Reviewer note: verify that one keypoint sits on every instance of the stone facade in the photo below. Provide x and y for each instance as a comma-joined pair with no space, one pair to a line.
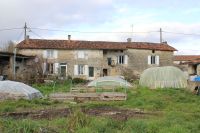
94,63
138,59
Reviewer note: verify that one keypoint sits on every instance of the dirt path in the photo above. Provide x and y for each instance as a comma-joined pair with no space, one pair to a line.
115,113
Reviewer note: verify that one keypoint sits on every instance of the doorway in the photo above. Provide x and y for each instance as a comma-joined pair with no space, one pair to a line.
63,69
91,71
105,72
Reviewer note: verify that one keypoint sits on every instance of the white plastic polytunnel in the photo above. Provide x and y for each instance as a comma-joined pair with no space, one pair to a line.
163,77
110,81
17,90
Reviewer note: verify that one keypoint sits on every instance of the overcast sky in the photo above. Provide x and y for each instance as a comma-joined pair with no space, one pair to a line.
179,16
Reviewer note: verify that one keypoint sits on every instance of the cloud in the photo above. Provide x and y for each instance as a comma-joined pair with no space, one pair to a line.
104,15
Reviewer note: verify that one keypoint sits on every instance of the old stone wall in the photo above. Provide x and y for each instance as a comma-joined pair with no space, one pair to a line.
138,59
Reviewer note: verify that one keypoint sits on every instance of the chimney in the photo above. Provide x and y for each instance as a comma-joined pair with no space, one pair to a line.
27,39
165,42
129,40
69,38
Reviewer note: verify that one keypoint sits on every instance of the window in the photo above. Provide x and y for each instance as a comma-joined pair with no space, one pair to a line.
63,69
153,59
81,54
49,68
121,59
109,61
104,51
80,69
50,53
91,71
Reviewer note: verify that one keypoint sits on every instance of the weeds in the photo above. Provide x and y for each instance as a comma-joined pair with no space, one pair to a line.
180,113
77,119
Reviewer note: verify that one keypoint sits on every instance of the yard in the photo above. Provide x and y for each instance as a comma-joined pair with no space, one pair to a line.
145,111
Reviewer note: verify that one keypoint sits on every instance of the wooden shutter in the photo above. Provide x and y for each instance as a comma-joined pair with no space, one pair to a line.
44,53
126,59
75,69
56,68
157,60
86,70
149,60
55,54
117,59
44,67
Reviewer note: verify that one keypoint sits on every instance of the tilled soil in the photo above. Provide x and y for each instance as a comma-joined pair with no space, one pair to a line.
112,112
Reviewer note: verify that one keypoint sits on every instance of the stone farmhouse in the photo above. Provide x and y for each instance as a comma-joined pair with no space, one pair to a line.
92,59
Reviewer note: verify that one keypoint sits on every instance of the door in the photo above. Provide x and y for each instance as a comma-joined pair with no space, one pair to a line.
105,72
91,71
63,69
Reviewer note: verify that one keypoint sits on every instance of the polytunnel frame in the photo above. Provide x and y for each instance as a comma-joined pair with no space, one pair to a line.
120,83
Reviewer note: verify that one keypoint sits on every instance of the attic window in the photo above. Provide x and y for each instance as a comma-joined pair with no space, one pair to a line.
153,51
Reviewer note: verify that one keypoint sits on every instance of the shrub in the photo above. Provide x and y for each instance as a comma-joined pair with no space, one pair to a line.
130,75
78,81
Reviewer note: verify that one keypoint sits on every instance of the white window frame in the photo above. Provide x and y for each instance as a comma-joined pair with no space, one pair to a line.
50,68
121,59
81,54
50,53
80,69
153,60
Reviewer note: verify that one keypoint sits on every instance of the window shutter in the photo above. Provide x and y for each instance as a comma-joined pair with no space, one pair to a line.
86,70
44,53
86,55
149,60
126,59
81,54
117,59
55,52
44,67
56,67
157,60
75,69
75,54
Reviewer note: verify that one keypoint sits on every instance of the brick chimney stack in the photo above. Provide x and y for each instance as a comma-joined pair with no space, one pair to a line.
69,38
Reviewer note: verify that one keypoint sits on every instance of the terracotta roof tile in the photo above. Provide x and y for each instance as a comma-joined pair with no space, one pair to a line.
65,44
186,57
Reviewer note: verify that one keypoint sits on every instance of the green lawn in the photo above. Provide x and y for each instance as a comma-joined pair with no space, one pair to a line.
179,113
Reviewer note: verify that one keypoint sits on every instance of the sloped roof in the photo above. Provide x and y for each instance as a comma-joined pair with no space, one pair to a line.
186,57
75,44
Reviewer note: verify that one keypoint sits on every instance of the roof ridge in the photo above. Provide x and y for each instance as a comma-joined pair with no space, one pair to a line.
79,44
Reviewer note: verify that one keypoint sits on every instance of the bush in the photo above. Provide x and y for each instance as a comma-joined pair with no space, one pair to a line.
130,75
78,81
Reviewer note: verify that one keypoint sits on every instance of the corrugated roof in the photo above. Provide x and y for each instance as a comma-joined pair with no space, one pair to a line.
75,44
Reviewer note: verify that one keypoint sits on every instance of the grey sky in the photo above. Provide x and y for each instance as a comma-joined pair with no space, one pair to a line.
104,15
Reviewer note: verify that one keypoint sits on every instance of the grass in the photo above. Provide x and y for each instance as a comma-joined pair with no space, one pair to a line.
179,113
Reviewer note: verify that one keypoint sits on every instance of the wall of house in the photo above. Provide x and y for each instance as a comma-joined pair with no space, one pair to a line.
92,58
115,69
31,52
138,59
191,70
